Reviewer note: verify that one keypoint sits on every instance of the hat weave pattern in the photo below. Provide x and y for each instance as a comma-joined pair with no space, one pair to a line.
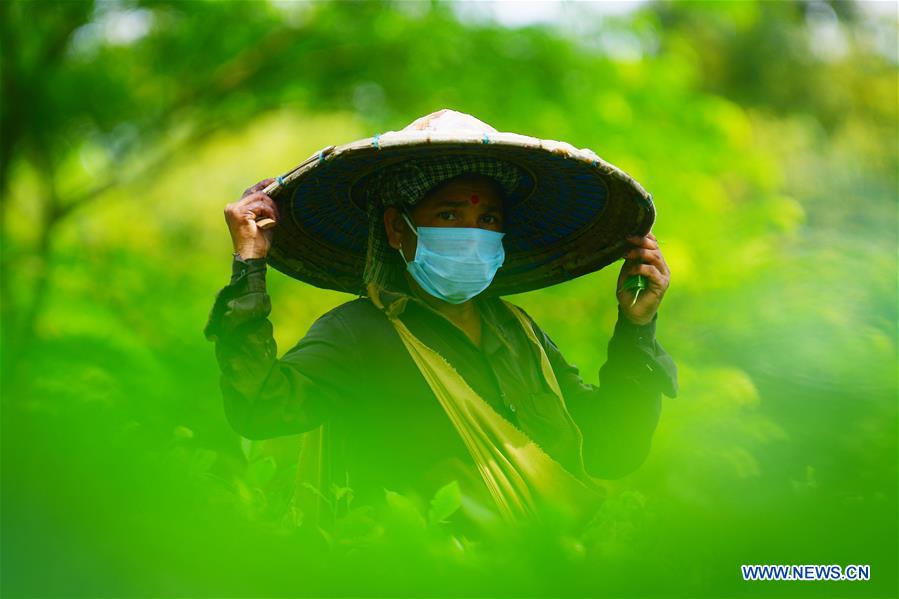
568,215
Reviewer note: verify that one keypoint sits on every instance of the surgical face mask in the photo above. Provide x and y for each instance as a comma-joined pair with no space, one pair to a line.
455,263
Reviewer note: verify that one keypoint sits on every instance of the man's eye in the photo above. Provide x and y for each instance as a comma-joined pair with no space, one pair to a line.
446,212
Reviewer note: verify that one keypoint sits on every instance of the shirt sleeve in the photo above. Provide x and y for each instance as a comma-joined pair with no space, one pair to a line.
619,416
264,396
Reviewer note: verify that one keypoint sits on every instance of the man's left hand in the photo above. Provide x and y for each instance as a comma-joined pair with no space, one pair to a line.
644,258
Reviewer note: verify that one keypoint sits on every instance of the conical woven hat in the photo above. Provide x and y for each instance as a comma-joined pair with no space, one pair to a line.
568,217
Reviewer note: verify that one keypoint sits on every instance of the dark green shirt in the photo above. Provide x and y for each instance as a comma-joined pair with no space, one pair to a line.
352,371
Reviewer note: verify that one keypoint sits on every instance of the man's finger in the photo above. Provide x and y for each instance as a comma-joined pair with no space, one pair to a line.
260,198
644,255
645,242
639,268
665,270
654,257
260,209
261,185
653,274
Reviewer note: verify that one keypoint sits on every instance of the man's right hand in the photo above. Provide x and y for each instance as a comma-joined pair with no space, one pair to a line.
249,240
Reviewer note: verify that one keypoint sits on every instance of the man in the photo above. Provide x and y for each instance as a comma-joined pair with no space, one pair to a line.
426,378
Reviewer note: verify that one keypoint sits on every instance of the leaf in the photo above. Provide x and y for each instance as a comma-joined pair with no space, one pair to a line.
635,282
340,492
261,471
203,459
183,432
404,509
251,449
317,492
447,500
246,446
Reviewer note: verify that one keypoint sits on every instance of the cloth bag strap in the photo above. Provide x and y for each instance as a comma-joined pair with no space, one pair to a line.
521,477
550,376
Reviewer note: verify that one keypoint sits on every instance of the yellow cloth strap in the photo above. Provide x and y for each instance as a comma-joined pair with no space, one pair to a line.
520,476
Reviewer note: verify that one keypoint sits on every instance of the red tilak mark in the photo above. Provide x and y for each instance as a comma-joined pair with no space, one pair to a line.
475,199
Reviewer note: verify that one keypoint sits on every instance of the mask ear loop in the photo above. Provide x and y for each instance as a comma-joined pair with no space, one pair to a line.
409,222
411,226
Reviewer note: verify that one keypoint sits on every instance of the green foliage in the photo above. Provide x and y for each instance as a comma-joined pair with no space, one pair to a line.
445,503
770,152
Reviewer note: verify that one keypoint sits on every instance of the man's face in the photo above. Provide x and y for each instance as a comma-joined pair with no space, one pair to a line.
462,202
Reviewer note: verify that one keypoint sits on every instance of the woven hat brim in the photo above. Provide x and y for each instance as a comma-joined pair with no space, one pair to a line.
569,217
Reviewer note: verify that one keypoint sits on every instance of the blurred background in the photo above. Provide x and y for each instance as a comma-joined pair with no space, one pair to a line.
766,132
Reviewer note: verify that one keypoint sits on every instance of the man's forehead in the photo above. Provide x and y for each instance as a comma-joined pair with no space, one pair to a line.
461,195
459,200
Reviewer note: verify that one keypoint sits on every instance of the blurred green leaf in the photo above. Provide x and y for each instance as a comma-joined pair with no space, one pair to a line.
403,510
446,501
260,472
